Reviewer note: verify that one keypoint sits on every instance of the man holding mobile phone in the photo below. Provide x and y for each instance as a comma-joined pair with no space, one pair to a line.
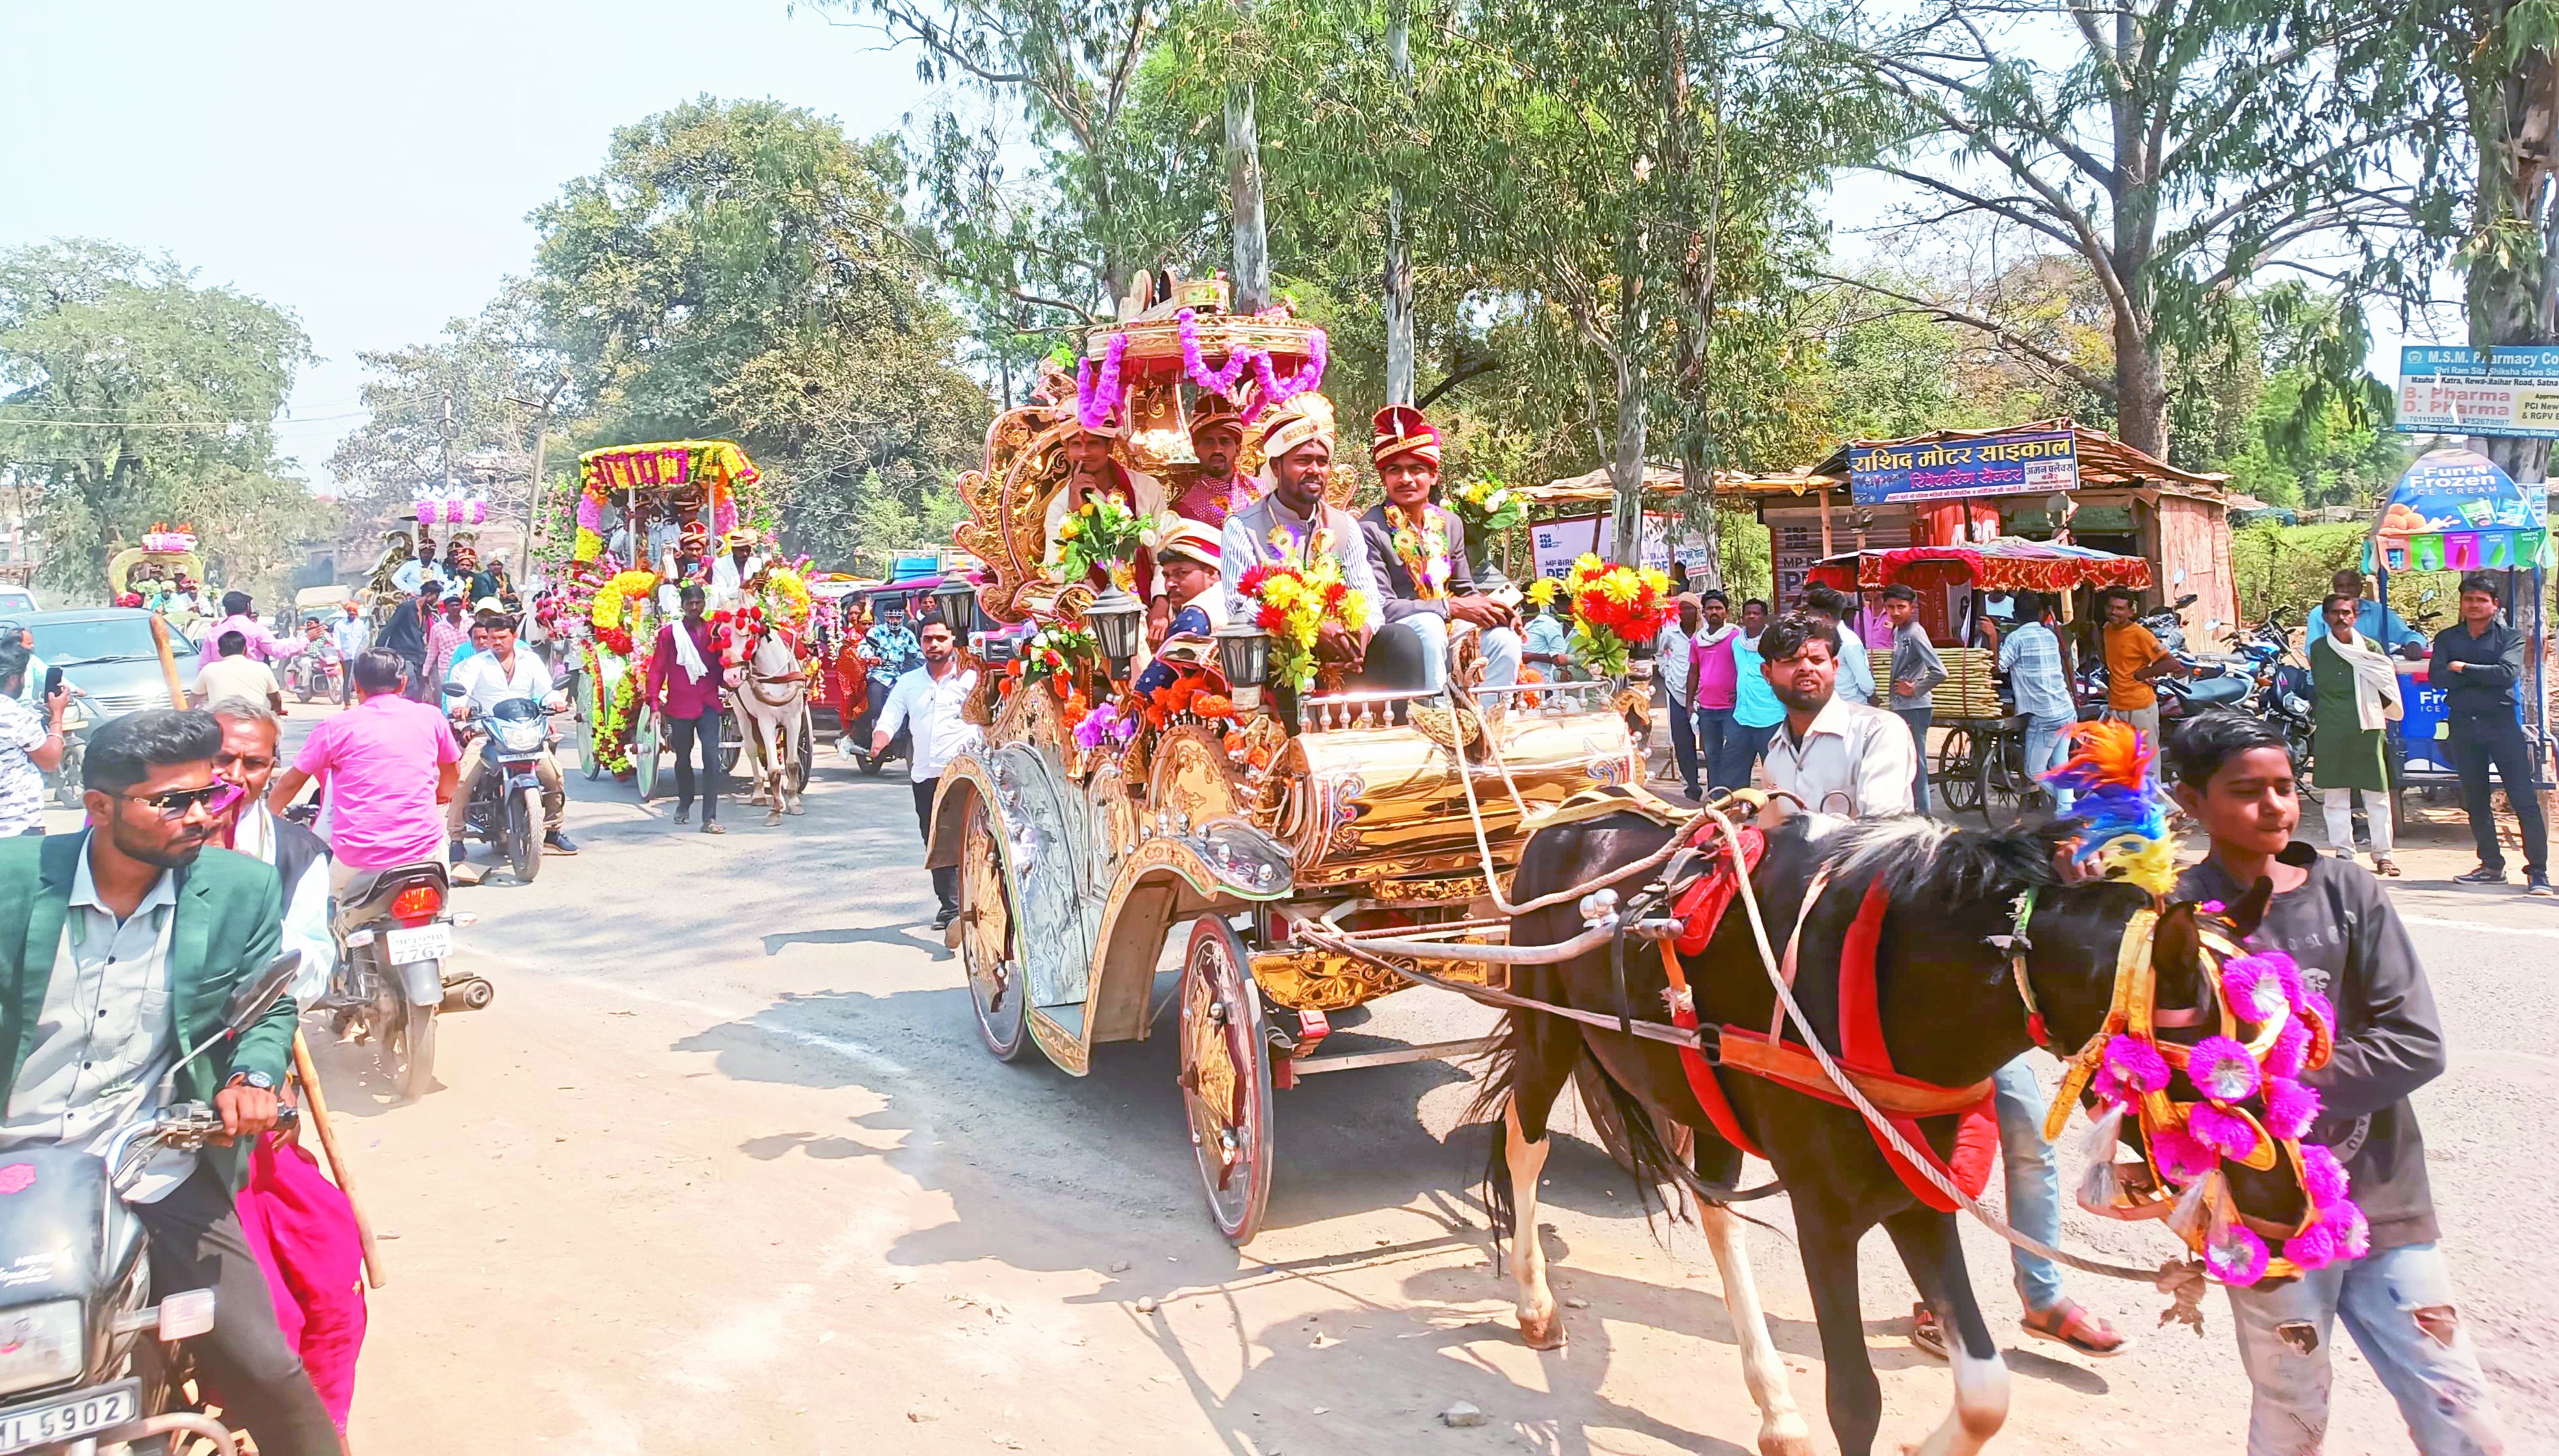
31,741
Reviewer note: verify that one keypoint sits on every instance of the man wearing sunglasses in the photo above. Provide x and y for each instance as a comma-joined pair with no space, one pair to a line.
118,946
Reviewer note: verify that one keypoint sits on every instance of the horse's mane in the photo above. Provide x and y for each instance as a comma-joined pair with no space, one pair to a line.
1925,861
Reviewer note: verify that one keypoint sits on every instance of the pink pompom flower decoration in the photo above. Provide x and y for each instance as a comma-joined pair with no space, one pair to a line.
2291,1107
2317,1006
2314,1249
2353,1232
2229,1133
2323,1176
2292,1048
2255,987
2179,1157
2235,1254
2109,1088
2221,1069
2137,1063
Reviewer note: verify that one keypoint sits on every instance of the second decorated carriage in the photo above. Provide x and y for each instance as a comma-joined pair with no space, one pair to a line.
1097,822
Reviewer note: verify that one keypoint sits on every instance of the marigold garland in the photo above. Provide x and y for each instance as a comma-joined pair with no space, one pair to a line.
792,610
620,602
1298,596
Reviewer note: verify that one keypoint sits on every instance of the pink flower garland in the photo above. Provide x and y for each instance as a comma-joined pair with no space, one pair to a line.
2221,1070
1096,400
1220,382
590,513
1277,390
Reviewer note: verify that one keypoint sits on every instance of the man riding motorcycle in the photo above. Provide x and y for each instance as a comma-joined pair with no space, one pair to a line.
488,678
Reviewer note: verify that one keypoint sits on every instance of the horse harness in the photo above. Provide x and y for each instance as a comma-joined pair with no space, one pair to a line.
1699,906
756,683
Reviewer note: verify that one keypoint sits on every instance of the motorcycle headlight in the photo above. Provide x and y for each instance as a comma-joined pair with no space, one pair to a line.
40,1345
520,737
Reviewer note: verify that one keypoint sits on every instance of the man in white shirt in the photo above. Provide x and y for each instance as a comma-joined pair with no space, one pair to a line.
486,680
248,759
1671,669
927,701
351,634
1294,521
1837,757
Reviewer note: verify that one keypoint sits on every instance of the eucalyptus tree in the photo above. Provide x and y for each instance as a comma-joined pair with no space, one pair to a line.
2178,147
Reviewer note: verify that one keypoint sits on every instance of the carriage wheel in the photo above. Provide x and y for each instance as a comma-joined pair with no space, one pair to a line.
1957,777
1226,1078
808,761
996,990
646,736
588,762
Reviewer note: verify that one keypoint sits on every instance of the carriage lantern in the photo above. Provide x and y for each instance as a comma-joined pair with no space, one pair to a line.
958,601
1244,653
1114,618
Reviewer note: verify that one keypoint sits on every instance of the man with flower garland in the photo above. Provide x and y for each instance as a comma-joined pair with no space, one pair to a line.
2235,776
1214,489
1294,521
1417,550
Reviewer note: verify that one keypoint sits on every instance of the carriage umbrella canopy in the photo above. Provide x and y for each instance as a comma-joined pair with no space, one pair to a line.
2007,564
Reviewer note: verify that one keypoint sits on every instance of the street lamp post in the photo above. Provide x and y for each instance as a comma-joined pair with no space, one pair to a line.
534,486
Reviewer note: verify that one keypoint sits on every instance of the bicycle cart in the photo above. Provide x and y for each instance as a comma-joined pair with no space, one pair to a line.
1096,827
1979,765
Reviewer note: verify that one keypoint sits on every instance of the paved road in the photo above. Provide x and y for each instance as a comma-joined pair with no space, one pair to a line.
724,1169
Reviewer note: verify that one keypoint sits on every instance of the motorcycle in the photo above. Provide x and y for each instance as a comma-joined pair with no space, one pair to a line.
394,934
310,677
87,1358
506,808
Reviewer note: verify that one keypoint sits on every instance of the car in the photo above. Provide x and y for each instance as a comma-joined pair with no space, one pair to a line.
109,658
16,601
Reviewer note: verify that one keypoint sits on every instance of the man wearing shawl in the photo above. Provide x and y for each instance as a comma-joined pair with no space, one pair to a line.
2356,695
1292,521
1417,550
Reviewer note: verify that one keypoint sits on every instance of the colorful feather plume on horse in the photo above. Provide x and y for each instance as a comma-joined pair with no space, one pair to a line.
2112,775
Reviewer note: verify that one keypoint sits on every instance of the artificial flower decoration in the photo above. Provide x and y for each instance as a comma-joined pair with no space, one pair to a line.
2291,1050
2180,1158
1423,546
2222,1070
2260,988
2235,1254
2112,775
1615,607
1489,507
1297,597
1102,534
2291,1108
2137,1064
1105,725
2228,1134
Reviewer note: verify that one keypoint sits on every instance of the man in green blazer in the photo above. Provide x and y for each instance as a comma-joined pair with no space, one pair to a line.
119,947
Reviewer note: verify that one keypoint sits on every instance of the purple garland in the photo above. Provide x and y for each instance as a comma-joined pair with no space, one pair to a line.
1219,381
1096,402
1277,390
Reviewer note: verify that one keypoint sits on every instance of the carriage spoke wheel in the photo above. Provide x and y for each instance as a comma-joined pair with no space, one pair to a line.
588,761
645,741
995,984
1226,1078
1957,776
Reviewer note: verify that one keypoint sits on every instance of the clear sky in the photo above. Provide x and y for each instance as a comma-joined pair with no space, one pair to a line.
370,165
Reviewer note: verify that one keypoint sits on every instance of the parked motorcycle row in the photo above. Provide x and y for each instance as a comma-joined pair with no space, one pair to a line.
2262,673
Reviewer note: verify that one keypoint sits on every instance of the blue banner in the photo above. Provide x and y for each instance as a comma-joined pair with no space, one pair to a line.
1954,469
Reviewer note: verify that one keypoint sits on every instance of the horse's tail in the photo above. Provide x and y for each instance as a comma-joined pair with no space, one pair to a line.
1626,1129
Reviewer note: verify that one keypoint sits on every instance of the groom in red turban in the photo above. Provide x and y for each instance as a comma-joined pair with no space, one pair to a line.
1416,549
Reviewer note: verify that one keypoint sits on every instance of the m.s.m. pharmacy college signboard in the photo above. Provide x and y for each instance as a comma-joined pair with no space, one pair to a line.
1952,470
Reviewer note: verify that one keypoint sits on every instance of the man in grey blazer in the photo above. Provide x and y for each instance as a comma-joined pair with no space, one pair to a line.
1416,552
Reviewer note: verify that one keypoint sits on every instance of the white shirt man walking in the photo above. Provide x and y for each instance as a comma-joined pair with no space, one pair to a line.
927,701
1837,757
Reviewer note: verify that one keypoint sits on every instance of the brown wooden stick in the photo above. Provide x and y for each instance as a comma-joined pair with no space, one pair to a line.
168,660
315,1109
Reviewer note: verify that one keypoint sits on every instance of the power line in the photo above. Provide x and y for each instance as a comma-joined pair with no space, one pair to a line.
173,424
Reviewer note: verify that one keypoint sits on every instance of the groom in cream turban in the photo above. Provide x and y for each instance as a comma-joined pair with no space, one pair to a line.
1293,520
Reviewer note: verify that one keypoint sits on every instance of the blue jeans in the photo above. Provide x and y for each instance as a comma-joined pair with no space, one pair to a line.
1714,736
2047,745
2397,1303
1917,720
1743,745
2034,1179
1684,745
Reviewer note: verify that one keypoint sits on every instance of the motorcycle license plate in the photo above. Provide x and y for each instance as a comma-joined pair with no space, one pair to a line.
425,942
70,1417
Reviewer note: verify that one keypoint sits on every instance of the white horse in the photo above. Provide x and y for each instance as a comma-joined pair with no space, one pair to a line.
771,702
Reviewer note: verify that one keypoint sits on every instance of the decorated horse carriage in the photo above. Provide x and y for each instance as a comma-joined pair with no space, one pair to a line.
1229,800
164,573
646,519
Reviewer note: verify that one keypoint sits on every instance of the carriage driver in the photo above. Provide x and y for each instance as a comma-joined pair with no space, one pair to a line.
1295,519
1416,549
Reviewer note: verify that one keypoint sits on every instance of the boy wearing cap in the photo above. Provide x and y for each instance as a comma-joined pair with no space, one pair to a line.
1186,567
1416,552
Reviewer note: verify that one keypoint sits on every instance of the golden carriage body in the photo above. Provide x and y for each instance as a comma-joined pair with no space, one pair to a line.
1079,863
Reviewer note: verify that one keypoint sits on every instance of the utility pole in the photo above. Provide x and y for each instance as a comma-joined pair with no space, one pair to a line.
534,486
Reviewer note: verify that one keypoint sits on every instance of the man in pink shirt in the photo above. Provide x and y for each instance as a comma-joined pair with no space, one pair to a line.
238,616
385,765
1710,659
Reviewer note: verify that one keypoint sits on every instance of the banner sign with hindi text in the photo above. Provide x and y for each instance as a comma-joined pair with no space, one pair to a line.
1954,469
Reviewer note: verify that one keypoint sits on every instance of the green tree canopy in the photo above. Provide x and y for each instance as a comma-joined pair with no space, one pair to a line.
130,396
741,268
